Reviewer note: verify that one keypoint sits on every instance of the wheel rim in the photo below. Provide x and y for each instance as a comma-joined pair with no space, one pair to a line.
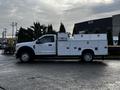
88,57
25,57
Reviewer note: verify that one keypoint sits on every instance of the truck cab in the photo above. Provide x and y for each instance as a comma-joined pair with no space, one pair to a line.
45,45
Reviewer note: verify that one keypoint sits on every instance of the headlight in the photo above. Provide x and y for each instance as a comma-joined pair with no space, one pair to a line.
17,46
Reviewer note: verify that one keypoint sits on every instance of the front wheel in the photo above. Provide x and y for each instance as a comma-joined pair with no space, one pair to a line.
25,57
87,57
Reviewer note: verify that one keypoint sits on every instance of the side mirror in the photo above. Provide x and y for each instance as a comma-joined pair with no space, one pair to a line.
38,42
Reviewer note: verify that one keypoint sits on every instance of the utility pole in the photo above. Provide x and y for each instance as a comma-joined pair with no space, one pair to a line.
14,25
12,29
5,33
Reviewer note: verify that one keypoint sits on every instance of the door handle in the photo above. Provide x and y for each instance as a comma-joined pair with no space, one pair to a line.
49,44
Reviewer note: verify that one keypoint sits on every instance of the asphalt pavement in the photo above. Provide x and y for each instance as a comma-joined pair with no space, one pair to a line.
59,75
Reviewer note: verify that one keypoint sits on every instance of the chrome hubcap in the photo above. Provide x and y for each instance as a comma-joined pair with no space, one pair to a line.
88,57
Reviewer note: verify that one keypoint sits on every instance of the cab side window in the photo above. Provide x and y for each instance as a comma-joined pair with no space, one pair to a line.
45,39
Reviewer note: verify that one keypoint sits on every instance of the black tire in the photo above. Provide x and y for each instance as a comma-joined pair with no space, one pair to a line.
87,56
25,57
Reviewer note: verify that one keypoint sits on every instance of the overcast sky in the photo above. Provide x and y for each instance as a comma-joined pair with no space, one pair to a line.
25,12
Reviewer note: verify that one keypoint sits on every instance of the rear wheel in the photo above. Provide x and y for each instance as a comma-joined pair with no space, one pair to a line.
87,56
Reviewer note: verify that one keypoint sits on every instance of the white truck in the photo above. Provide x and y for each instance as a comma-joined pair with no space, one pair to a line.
85,46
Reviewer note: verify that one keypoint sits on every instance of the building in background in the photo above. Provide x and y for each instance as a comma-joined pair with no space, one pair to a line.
115,40
116,24
0,43
99,26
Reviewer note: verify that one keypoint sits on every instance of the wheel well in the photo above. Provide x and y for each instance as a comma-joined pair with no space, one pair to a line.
25,49
87,50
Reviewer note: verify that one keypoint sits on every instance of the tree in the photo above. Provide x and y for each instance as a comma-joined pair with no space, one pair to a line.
31,33
43,29
110,37
50,30
37,30
34,32
62,28
24,35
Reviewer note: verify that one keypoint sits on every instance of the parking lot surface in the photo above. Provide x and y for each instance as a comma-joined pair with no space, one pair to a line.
59,75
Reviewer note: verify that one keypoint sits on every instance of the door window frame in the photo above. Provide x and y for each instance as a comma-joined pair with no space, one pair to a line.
38,40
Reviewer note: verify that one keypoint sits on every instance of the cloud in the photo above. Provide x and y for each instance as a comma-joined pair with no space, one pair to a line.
25,12
107,8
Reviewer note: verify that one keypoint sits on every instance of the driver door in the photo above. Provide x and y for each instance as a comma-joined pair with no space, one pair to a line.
46,45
